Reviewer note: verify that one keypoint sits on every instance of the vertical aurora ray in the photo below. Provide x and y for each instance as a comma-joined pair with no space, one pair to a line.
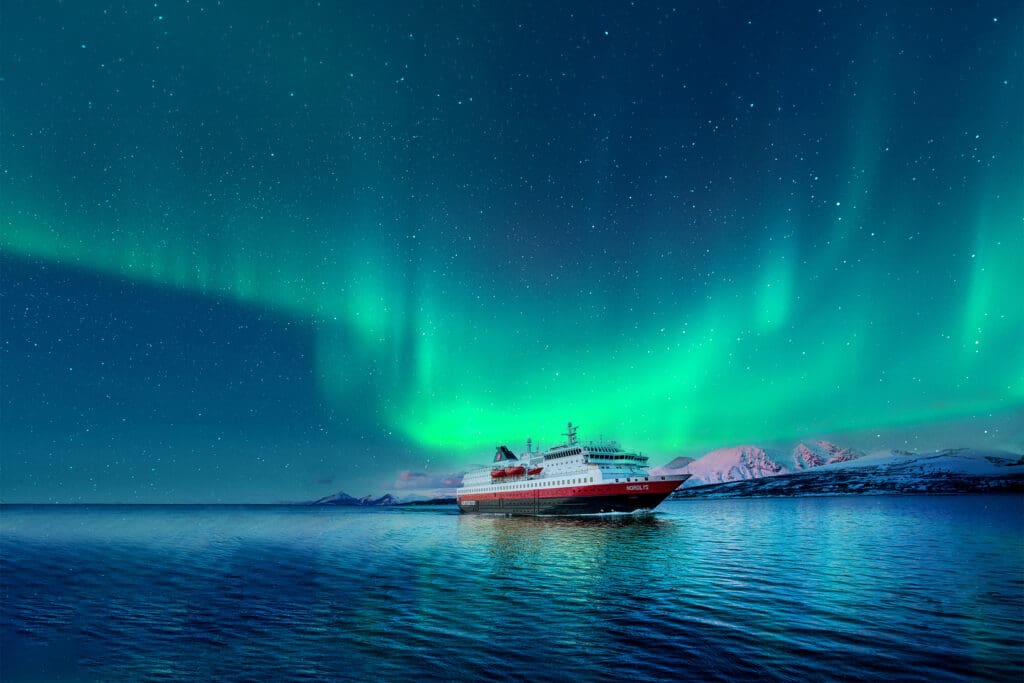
774,293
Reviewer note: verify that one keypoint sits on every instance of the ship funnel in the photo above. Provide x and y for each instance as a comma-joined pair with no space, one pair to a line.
503,453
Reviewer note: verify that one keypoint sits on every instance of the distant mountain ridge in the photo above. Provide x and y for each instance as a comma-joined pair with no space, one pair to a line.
342,498
741,463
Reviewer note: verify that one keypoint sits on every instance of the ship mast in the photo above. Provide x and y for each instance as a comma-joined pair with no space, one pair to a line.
570,434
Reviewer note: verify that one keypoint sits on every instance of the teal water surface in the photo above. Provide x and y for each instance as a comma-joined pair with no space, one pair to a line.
911,588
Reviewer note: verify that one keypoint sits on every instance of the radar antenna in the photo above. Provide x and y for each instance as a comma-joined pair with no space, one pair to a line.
570,434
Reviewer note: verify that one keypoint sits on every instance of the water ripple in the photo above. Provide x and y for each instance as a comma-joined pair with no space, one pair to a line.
928,588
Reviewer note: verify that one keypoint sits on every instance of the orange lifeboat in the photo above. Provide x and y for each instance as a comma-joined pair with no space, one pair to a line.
497,474
515,471
534,470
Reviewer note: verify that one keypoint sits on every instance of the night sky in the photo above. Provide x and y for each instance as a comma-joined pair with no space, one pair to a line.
264,251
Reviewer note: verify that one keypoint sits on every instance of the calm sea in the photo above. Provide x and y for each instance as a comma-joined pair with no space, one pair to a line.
913,588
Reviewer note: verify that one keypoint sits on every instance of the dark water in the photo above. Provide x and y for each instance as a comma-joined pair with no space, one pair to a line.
925,588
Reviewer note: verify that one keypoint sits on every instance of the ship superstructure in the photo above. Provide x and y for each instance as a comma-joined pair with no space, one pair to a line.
572,478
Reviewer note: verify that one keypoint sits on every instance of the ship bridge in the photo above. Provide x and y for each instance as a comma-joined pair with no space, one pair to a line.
604,459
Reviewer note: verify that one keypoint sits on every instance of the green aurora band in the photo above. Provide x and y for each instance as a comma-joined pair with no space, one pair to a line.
788,347
887,294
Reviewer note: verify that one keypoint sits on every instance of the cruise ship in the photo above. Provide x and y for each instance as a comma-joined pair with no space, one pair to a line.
569,479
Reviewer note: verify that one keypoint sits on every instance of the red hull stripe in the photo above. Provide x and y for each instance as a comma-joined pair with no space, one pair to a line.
581,490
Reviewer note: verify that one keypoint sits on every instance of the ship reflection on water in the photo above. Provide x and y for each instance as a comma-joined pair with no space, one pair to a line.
576,544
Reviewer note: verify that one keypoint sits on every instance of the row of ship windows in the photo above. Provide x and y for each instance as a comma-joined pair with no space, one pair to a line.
612,455
561,482
512,487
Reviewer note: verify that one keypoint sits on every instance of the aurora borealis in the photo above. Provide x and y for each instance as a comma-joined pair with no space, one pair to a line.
258,252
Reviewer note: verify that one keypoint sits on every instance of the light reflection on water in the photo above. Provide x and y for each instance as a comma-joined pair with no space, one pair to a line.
924,588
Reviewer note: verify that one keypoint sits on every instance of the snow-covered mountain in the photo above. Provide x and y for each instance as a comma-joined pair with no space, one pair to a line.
732,464
949,471
967,461
808,454
740,463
